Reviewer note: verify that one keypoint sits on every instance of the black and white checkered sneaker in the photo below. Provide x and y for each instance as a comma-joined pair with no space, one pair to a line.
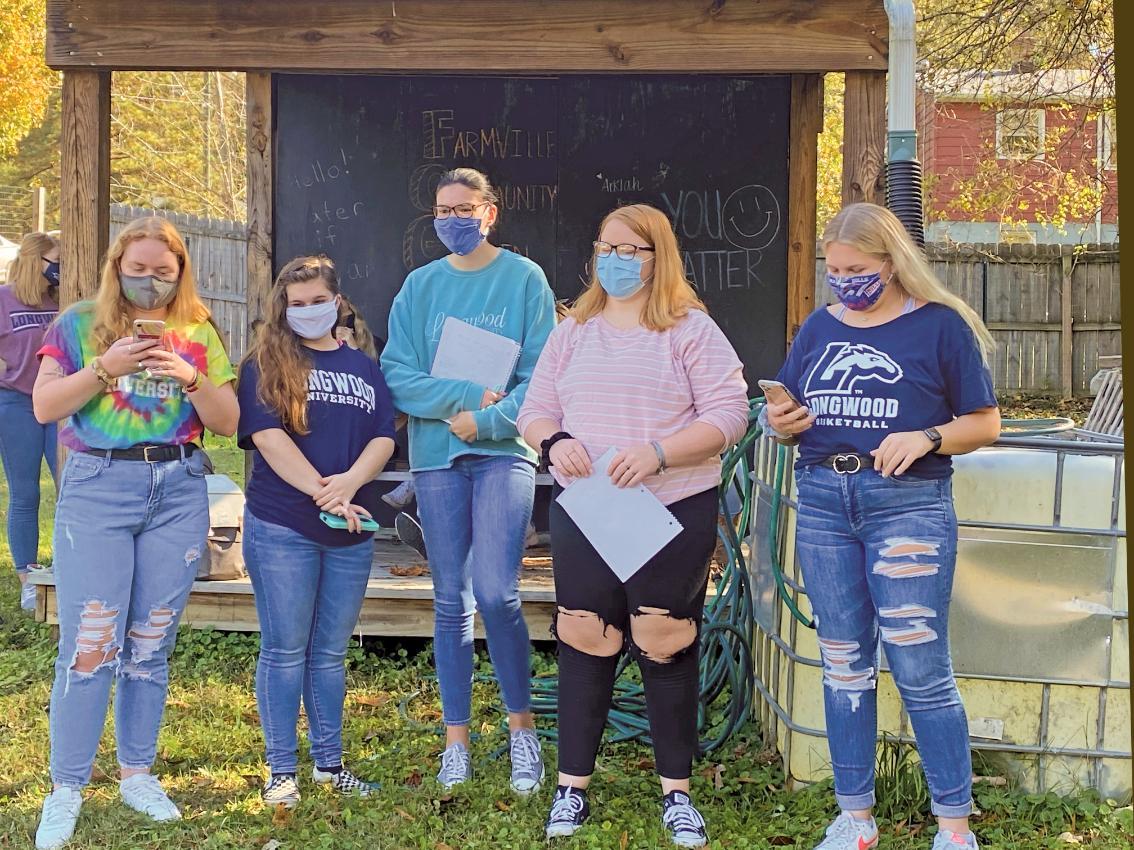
344,782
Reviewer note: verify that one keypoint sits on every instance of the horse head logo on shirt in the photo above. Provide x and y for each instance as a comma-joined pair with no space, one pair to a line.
843,365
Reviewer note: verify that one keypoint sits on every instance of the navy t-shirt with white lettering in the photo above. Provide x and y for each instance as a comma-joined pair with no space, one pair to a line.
917,371
348,405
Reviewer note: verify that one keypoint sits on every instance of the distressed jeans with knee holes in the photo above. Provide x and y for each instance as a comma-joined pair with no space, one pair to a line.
878,556
308,596
475,518
128,536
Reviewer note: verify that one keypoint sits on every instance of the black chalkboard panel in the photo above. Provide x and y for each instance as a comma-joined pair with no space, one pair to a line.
357,161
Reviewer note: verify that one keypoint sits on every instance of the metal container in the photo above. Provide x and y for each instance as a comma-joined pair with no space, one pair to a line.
1038,625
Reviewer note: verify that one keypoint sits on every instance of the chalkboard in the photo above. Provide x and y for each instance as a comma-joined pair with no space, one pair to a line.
357,161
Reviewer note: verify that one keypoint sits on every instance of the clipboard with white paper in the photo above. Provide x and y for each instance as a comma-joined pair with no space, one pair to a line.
469,353
626,525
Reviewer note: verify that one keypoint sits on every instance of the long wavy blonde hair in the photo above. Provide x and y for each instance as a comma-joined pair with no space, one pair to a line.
112,309
876,231
281,360
671,294
25,272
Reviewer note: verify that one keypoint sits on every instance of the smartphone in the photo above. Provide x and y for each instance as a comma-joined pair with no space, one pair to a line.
777,393
336,521
149,329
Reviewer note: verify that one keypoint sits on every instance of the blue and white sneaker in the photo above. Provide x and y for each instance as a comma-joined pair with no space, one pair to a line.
57,822
847,832
946,840
569,808
527,761
456,766
682,821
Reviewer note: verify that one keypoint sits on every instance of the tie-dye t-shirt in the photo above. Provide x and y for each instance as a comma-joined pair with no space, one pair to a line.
141,410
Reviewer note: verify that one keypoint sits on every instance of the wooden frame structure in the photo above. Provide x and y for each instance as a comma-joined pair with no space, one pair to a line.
89,41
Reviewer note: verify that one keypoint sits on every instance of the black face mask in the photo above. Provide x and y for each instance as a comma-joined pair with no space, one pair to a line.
52,273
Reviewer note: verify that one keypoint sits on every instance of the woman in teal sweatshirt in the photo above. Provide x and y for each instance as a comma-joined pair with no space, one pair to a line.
474,475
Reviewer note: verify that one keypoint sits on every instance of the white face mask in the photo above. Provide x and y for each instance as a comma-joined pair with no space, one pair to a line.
313,321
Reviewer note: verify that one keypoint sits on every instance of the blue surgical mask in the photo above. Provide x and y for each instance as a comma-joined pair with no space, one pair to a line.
462,236
621,278
52,273
313,321
860,291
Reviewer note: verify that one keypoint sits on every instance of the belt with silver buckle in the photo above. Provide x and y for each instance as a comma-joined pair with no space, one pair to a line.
149,454
848,464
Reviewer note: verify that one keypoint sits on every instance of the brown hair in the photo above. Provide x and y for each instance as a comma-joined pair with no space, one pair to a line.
363,338
280,358
25,272
671,295
470,178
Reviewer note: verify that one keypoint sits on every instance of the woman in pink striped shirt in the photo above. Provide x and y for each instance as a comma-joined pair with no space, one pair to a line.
638,366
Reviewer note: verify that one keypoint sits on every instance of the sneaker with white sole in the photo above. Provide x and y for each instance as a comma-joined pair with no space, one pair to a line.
527,761
456,766
143,793
57,821
946,840
569,808
281,790
682,821
400,496
27,596
410,533
344,782
849,833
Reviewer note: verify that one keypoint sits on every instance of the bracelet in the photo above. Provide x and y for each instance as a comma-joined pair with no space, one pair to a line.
545,446
662,466
101,373
194,384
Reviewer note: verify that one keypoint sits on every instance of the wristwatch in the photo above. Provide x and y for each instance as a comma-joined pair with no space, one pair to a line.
934,437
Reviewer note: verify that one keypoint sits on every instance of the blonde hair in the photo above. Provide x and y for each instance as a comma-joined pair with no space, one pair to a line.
280,357
111,308
25,272
671,295
876,231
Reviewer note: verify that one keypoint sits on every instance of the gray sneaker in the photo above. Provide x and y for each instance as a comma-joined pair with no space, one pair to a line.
849,833
456,766
527,761
946,840
400,496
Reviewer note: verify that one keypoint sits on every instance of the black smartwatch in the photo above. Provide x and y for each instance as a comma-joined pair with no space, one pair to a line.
934,436
545,447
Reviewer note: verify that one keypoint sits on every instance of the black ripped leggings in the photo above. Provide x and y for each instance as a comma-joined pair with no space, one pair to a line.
674,581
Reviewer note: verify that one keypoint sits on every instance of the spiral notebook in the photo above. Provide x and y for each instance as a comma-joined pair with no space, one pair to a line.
468,353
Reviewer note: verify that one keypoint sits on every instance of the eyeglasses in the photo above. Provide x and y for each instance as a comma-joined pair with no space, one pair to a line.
625,251
460,210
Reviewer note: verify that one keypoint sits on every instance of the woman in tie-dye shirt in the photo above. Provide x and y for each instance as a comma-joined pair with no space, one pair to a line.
133,510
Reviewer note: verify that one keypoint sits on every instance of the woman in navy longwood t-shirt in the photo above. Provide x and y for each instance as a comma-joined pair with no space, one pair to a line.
892,381
319,416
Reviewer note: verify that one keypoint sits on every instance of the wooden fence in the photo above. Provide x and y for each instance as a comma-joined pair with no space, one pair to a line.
217,249
1053,312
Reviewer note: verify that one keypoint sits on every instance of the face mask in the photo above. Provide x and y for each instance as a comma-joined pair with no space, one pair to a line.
859,292
52,273
315,320
462,236
619,277
147,293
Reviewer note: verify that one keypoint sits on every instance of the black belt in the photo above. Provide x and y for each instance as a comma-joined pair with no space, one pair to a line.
150,454
848,464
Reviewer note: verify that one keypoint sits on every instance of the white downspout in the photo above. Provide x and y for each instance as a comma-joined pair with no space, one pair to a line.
900,81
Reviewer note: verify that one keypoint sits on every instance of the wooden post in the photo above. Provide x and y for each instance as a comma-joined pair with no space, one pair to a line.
864,137
258,106
1066,331
803,145
84,193
39,211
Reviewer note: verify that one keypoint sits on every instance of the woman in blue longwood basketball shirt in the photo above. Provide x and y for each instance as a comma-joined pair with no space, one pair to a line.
474,476
319,416
892,382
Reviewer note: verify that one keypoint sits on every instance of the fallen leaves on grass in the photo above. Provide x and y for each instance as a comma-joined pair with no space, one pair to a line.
404,815
410,571
281,815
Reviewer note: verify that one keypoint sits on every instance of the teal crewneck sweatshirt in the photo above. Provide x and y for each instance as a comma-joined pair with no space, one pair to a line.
509,296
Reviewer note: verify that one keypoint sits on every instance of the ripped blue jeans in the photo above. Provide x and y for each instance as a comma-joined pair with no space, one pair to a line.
128,536
878,556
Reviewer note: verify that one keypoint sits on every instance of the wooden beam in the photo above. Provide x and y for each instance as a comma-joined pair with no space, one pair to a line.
458,36
864,137
259,192
803,159
84,196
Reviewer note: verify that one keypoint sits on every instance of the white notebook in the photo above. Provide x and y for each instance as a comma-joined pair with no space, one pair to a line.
626,525
468,353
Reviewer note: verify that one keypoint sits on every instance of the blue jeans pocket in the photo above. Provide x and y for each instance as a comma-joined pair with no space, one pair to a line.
195,465
82,467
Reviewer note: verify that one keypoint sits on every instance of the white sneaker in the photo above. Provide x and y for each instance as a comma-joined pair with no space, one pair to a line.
846,832
143,793
57,822
27,596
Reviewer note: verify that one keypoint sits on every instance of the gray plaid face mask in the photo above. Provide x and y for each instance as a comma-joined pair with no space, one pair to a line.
147,293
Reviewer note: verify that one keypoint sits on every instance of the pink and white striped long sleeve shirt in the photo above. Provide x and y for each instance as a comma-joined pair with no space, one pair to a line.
608,386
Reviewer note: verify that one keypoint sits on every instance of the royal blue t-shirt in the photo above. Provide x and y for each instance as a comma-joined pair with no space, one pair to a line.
917,371
348,405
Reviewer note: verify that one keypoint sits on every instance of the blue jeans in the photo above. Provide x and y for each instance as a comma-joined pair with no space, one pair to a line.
878,557
128,535
24,445
308,596
475,519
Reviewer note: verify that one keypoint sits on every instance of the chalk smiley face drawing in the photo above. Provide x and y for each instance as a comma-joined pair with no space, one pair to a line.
751,217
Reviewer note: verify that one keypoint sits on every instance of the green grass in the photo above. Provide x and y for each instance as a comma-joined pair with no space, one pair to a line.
211,759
